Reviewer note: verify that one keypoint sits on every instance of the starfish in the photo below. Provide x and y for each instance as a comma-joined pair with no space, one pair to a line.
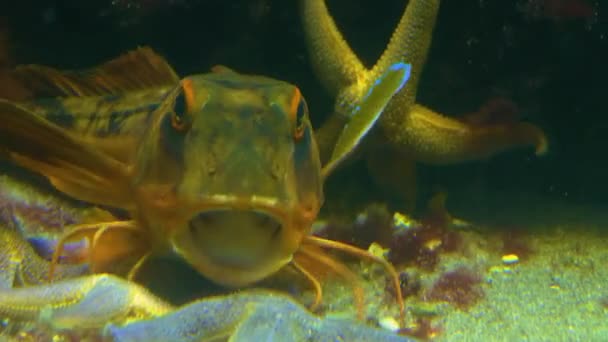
409,132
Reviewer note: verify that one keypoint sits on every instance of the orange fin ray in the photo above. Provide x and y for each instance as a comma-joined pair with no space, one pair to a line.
312,280
336,267
109,242
363,254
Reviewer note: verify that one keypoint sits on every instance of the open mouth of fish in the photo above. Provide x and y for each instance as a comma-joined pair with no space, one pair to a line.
235,237
236,241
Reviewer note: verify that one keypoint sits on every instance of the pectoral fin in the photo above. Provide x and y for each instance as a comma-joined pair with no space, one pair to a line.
368,112
71,165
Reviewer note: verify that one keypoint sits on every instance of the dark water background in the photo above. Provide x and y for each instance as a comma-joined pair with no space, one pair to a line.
551,63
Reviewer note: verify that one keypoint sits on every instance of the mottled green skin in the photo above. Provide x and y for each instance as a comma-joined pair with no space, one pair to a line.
101,116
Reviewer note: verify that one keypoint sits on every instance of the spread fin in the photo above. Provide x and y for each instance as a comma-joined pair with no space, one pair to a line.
367,113
72,166
135,70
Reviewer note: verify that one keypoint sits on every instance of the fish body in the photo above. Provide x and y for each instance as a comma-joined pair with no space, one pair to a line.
220,168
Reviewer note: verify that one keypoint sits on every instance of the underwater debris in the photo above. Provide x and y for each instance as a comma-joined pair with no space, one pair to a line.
459,287
423,329
389,323
374,224
421,244
418,247
410,242
410,285
510,259
514,242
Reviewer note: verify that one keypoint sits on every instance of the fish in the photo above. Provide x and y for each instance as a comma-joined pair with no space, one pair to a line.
368,111
220,169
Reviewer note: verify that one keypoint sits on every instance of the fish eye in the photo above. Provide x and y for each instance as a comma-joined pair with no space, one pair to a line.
300,122
179,119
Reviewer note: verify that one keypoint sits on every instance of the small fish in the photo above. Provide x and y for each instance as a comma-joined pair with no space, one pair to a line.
368,111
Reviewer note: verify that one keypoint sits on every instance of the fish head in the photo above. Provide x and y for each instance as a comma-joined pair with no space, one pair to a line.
239,165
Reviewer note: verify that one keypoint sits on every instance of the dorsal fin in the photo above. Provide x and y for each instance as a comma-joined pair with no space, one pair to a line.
135,70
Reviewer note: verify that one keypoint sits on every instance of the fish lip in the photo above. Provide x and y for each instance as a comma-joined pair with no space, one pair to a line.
270,206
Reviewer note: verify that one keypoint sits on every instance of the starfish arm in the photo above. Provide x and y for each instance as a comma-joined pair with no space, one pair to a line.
247,316
429,137
20,265
409,43
81,303
333,61
342,72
